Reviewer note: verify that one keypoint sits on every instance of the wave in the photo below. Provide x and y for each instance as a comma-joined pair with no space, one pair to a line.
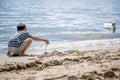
77,45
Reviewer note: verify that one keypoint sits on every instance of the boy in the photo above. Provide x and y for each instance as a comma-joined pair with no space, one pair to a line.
21,41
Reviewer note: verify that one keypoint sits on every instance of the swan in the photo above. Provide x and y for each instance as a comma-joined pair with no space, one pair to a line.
110,26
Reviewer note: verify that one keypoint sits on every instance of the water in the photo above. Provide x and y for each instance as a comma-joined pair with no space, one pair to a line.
66,23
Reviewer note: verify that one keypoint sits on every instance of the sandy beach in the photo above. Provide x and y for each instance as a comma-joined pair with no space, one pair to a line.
102,64
84,38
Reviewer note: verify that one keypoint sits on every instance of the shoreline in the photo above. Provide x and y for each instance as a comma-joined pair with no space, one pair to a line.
86,45
69,65
75,45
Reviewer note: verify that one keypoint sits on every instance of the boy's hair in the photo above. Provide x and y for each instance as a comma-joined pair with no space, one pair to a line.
21,26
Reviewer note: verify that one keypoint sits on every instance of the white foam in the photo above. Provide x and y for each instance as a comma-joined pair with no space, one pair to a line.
78,45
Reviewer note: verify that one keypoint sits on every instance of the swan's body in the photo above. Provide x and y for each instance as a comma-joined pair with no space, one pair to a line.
109,25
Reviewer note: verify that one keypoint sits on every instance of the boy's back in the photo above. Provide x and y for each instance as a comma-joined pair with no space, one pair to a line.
18,38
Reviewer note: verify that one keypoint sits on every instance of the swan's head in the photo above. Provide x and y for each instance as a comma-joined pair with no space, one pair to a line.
113,24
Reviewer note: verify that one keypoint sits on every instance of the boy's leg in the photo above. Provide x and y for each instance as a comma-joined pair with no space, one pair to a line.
20,50
26,44
13,50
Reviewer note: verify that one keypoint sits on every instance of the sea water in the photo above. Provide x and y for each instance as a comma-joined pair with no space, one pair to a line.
67,24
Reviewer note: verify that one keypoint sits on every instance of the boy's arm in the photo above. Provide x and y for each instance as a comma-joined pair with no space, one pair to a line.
39,39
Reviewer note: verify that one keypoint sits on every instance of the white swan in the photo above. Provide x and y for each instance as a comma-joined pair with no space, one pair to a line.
109,25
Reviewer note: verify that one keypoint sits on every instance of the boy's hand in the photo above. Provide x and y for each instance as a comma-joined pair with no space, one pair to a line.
46,41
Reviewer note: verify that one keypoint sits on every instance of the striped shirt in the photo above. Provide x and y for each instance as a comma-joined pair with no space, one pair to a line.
18,38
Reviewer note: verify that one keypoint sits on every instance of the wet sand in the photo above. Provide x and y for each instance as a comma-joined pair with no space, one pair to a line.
102,64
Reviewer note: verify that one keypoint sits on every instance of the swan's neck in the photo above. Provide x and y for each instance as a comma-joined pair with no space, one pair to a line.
113,25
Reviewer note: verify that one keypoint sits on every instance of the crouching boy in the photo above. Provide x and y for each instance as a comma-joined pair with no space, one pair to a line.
21,41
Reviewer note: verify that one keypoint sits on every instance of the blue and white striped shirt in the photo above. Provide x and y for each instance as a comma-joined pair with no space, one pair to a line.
18,38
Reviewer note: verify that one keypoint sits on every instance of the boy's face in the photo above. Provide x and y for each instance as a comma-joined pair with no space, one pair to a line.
25,29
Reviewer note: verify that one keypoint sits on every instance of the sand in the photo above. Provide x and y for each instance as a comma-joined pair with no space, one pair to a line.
102,64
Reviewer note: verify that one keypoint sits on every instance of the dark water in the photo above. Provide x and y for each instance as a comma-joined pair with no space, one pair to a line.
59,20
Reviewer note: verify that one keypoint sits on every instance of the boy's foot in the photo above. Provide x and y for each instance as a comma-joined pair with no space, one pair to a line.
8,54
